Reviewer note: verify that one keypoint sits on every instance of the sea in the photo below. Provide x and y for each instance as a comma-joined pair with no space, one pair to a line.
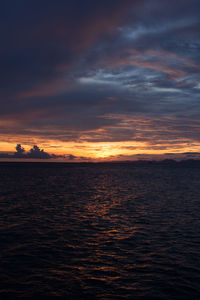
99,231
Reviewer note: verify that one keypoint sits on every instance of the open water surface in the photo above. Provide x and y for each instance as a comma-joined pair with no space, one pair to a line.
99,231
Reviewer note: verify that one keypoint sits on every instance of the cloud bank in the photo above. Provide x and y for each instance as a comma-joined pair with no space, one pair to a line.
99,71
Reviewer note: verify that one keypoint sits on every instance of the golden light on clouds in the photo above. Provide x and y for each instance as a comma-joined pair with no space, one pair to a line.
144,137
100,151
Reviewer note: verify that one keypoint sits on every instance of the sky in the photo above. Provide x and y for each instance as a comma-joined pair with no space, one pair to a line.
101,80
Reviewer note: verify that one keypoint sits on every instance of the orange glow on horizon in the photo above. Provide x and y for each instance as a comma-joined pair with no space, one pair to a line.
100,150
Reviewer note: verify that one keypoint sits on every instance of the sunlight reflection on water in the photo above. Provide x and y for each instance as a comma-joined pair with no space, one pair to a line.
100,231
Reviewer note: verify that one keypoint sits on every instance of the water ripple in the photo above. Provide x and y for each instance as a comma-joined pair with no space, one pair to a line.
107,231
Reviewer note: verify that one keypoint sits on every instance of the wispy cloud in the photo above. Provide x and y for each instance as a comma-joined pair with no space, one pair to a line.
85,72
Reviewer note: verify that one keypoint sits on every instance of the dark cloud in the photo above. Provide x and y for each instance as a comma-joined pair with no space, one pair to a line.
100,71
36,153
167,157
33,153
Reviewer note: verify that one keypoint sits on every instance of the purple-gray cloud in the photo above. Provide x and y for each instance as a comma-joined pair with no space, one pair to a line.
67,66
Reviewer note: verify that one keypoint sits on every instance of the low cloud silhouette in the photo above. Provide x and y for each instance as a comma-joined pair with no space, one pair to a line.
19,150
34,152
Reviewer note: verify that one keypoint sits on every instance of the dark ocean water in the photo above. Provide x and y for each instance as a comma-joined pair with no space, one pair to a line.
99,231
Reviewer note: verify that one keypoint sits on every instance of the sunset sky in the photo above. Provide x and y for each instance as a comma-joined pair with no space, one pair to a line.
95,79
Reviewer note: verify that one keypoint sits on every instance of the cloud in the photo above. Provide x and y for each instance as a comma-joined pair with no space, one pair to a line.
33,153
156,157
93,71
36,153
